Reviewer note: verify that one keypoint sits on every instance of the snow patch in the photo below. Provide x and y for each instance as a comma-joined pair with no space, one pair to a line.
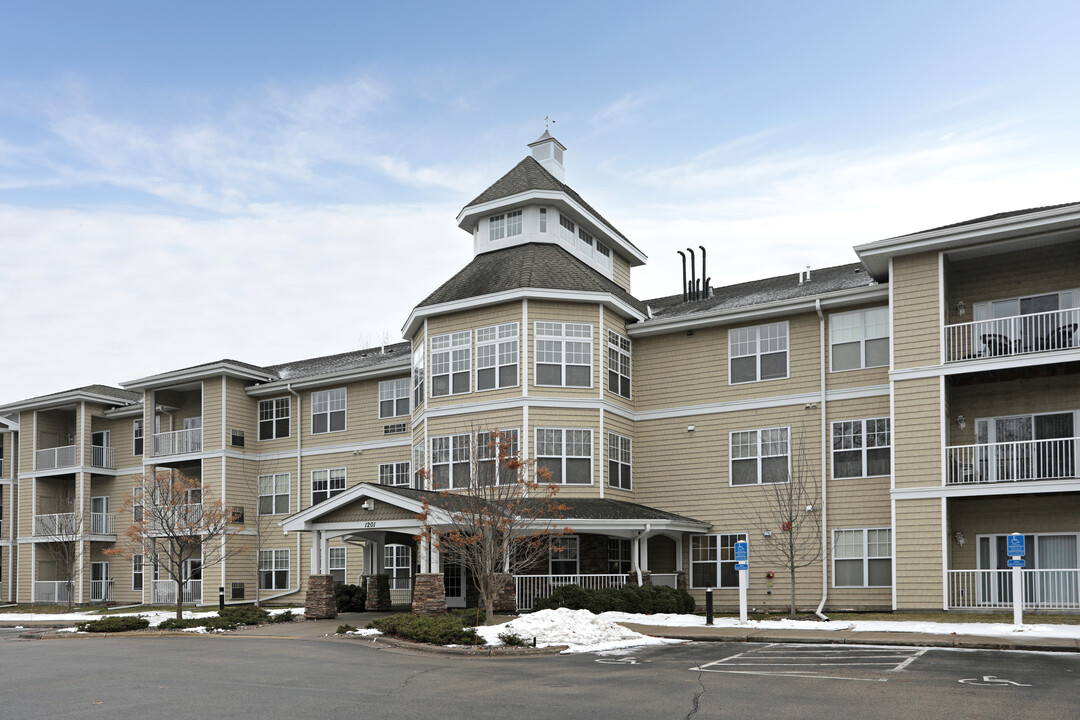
581,630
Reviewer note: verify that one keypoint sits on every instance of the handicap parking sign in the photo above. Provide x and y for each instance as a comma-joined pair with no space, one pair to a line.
742,552
1015,545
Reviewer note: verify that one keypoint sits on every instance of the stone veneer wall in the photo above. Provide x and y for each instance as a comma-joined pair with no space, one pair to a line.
429,594
320,604
378,592
506,601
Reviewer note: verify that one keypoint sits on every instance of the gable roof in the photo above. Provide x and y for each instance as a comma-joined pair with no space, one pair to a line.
341,362
990,218
93,393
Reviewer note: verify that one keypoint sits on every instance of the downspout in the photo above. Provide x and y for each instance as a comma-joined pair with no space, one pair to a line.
637,550
824,469
299,447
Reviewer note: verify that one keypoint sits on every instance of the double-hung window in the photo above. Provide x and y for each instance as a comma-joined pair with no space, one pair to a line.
325,484
419,462
861,448
618,370
862,558
712,560
328,411
137,435
337,558
497,356
859,339
136,572
418,375
450,462
274,494
563,354
393,398
394,474
618,555
273,569
496,451
760,457
565,554
618,461
504,225
758,353
566,454
274,418
451,362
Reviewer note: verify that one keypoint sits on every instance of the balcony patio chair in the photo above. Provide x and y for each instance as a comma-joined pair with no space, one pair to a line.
996,345
1061,338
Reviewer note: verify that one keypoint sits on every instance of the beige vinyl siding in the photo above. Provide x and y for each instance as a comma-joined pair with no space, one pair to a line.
250,407
858,503
471,320
620,270
1019,396
612,321
362,423
622,426
353,512
211,414
242,413
541,417
547,311
916,432
916,311
1048,513
26,442
852,378
917,547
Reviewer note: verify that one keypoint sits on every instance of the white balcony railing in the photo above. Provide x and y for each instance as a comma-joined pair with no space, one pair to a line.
51,591
101,590
1022,334
102,524
1043,589
101,457
178,442
531,587
55,457
176,519
400,591
1053,459
56,525
163,592
670,580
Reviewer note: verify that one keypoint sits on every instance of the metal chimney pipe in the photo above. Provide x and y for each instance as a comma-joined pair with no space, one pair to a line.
704,282
683,274
693,274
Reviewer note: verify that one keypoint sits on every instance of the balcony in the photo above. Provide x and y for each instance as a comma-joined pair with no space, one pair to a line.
531,587
1019,335
1053,459
101,590
102,457
52,592
55,457
178,442
163,592
102,524
1043,589
58,526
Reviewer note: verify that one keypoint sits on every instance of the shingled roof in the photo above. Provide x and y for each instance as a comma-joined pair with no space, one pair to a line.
530,175
988,218
533,265
342,362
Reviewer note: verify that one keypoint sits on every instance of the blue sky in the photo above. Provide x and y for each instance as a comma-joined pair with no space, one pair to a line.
269,181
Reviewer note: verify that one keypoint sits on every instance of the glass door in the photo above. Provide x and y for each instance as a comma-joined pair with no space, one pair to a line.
99,577
454,582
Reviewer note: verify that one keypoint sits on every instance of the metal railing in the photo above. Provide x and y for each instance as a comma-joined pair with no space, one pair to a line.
101,590
101,457
52,591
1018,335
55,457
531,587
178,442
670,580
1011,461
163,592
102,524
400,591
177,518
58,525
1043,589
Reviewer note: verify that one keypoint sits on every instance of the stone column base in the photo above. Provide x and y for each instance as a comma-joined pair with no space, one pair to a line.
646,578
506,599
428,594
378,592
319,603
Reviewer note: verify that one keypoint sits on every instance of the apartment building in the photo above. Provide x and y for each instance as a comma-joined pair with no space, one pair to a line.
926,394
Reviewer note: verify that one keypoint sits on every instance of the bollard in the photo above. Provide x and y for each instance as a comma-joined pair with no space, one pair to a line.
708,607
221,599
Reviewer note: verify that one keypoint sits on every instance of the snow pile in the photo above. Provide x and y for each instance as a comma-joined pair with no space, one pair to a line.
581,630
154,616
364,631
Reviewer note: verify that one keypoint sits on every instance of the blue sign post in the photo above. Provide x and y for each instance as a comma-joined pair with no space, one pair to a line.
742,564
1014,547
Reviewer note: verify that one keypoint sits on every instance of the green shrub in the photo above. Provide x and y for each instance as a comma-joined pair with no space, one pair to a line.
645,599
174,624
244,615
350,598
342,629
219,623
514,640
435,630
285,617
470,616
116,623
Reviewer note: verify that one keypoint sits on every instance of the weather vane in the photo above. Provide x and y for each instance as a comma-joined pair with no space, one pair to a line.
548,122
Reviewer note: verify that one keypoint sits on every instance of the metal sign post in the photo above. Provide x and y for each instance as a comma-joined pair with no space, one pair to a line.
742,564
1015,549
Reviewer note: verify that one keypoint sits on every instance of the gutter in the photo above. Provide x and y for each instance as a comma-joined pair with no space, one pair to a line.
824,469
299,459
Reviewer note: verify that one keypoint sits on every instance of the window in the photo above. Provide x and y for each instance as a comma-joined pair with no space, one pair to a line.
861,448
1026,324
489,450
862,558
394,474
397,561
418,375
450,466
393,398
543,220
137,434
712,560
136,504
497,356
759,457
505,225
394,428
618,555
563,354
758,353
273,569
337,565
567,229
585,243
274,494
564,555
236,591
274,418
859,339
450,363
328,411
418,465
603,256
325,484
618,461
567,454
236,438
136,572
618,364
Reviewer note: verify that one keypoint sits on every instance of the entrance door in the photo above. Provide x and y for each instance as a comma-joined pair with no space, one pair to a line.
99,581
99,515
454,582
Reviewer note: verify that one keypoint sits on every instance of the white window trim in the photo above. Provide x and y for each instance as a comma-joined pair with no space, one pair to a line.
592,454
629,363
273,421
862,340
833,450
138,432
329,494
274,494
865,556
731,458
141,572
394,474
396,397
629,464
344,552
450,460
449,350
568,540
719,562
537,336
274,569
497,342
757,353
328,411
419,375
1030,552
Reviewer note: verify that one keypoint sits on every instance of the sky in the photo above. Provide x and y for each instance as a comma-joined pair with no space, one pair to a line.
274,181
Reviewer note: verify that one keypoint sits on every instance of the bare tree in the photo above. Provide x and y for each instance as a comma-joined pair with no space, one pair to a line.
496,517
62,532
787,518
179,528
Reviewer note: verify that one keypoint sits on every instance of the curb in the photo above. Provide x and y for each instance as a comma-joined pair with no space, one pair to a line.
478,651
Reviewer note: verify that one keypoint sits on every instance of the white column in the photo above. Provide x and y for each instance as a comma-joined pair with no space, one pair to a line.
423,558
316,549
324,554
678,553
645,553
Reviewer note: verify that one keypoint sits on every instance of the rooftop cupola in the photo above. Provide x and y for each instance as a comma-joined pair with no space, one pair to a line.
548,151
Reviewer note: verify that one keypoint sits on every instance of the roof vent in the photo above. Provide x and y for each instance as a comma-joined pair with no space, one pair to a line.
548,151
804,275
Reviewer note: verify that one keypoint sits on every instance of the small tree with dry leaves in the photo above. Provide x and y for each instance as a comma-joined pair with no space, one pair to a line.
786,515
179,528
496,512
63,541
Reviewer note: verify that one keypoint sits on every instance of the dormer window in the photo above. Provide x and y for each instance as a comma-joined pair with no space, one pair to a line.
585,243
505,225
566,229
543,220
603,255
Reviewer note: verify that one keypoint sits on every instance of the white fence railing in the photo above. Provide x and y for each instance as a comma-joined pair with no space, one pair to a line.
56,525
670,580
1039,332
163,592
1011,461
55,457
1043,589
51,591
102,524
400,591
178,442
531,587
101,457
101,590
